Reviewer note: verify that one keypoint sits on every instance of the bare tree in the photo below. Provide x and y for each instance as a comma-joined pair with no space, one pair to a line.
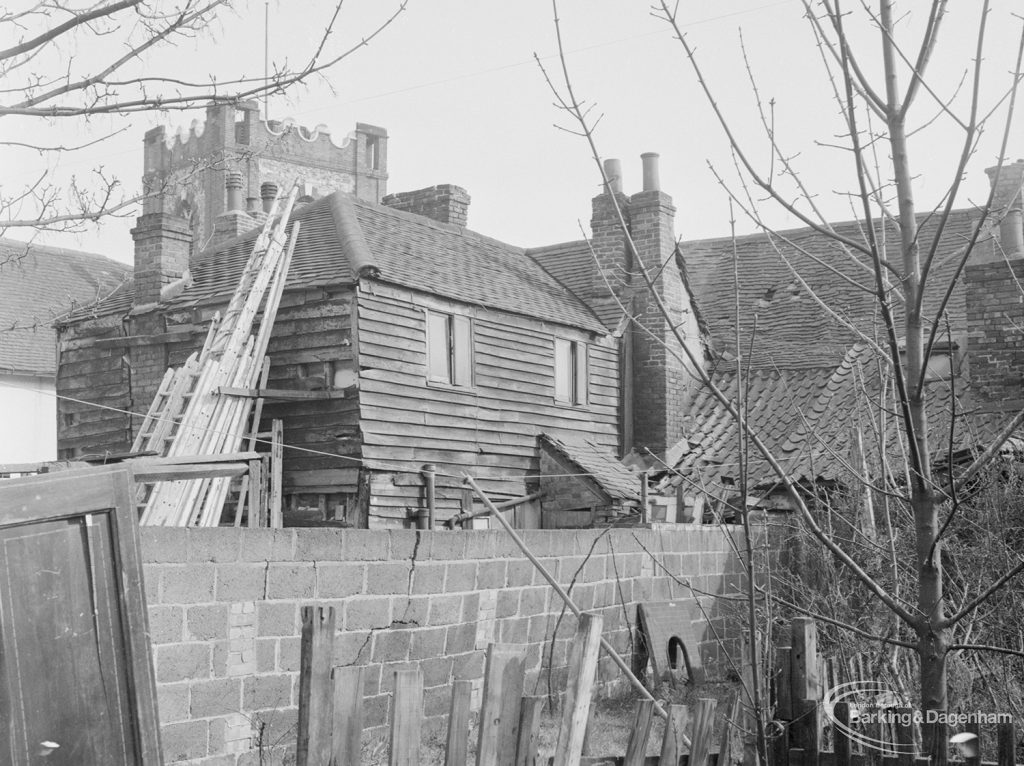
70,61
882,120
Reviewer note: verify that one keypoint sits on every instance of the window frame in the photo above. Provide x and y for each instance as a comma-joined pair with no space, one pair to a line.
577,368
458,342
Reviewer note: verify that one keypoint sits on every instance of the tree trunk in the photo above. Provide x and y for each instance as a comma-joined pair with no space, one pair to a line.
932,637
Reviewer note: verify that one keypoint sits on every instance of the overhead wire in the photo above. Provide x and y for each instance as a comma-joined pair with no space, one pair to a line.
310,450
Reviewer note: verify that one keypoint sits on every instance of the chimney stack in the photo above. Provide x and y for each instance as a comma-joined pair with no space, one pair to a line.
660,379
445,203
655,381
163,243
234,221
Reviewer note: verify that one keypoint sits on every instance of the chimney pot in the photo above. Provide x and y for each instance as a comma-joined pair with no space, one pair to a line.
252,205
268,191
613,172
1007,207
234,187
652,181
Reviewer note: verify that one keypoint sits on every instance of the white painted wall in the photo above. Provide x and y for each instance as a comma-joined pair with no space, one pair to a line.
28,419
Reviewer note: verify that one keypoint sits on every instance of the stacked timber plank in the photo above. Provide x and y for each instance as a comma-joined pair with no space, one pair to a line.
190,415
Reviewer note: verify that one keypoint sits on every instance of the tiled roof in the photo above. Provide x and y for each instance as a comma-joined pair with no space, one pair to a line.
617,481
340,235
808,419
572,264
39,284
780,320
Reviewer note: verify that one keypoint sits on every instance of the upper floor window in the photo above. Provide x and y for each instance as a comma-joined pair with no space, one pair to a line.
449,349
571,373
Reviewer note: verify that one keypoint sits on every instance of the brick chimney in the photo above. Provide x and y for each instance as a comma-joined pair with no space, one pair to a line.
445,203
162,246
655,381
235,220
995,305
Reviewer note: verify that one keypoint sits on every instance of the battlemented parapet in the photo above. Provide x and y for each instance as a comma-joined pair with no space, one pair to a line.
189,168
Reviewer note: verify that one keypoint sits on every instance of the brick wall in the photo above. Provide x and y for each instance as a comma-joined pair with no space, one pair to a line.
995,316
225,622
444,203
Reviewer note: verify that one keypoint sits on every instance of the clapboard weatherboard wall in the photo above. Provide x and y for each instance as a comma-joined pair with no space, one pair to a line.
353,325
487,427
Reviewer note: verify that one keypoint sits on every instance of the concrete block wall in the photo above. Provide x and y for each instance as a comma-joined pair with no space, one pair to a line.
224,616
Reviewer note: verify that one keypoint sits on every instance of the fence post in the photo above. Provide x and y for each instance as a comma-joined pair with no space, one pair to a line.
406,718
636,748
348,715
316,695
529,731
839,733
702,731
672,743
583,655
1006,734
906,749
499,711
458,724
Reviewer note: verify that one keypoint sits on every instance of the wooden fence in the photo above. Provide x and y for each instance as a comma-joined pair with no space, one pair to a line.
893,736
508,725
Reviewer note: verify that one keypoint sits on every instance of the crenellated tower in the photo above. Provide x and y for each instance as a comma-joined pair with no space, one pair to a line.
188,170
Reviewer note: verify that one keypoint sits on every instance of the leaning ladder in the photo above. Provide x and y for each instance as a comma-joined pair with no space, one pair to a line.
189,416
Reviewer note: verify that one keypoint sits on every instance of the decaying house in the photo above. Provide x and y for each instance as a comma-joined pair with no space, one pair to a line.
414,345
39,284
818,393
410,350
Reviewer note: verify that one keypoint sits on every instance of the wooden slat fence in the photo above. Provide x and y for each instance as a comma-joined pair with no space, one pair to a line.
898,738
330,711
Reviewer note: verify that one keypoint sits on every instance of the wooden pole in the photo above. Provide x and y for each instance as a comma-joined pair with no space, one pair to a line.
458,724
636,748
608,648
645,508
702,731
674,741
406,718
529,731
276,472
430,477
839,733
348,715
583,656
1006,735
316,694
499,710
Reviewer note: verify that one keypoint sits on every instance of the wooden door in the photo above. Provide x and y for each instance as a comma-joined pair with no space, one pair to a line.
76,682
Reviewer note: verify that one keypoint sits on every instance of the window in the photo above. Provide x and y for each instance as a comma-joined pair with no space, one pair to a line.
571,374
449,349
942,363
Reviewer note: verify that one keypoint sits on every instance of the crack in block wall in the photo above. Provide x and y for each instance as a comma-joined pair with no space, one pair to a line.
224,616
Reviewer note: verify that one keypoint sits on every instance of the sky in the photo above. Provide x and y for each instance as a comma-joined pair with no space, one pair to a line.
455,84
